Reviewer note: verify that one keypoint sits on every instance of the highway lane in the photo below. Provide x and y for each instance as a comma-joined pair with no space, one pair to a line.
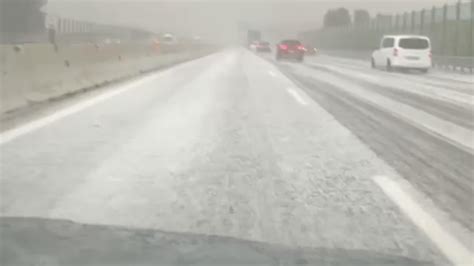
430,161
435,77
358,59
434,100
228,145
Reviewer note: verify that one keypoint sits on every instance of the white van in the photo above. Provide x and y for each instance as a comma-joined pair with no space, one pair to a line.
403,51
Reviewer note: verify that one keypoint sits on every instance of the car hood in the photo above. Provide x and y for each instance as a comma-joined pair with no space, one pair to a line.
29,241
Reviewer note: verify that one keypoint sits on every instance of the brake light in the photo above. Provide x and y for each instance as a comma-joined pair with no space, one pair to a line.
395,52
431,54
301,47
283,46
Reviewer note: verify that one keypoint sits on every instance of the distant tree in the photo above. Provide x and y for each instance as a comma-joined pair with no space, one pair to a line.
329,19
21,16
361,18
337,18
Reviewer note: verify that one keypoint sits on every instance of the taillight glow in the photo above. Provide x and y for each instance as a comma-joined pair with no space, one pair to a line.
283,46
301,47
431,54
395,52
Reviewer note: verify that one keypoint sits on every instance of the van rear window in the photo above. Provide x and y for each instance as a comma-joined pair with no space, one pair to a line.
291,42
414,43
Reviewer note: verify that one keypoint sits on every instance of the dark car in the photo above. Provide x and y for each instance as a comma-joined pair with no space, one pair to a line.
263,46
290,49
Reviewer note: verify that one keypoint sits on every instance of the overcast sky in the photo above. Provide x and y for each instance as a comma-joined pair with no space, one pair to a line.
220,20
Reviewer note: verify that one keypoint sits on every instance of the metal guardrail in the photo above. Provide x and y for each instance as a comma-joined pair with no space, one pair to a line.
456,63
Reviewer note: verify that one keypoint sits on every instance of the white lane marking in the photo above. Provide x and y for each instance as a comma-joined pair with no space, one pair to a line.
456,252
297,96
14,133
271,73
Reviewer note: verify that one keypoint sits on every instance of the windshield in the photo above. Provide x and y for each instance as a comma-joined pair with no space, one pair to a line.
236,132
413,43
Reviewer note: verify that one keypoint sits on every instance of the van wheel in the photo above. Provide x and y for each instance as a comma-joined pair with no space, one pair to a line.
425,70
372,62
389,66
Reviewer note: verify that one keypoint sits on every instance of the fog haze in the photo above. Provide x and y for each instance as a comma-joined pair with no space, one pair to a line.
222,20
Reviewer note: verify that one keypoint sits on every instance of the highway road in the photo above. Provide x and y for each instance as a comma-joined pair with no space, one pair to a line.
322,154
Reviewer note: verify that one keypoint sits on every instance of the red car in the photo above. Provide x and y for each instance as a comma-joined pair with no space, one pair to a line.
290,49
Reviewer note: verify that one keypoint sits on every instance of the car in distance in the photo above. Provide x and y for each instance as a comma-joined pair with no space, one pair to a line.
169,39
262,46
403,52
290,49
310,50
253,45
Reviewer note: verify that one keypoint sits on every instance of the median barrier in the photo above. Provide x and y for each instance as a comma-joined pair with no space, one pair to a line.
12,82
33,73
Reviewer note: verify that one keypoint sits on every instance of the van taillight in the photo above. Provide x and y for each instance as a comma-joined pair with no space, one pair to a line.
431,54
395,52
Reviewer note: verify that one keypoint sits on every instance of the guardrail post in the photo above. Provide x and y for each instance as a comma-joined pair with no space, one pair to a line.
404,24
397,22
433,36
377,26
471,40
432,20
456,38
422,20
390,22
59,26
443,30
376,22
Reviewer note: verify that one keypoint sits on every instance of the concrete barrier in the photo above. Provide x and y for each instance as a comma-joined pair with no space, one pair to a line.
47,73
34,73
13,65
